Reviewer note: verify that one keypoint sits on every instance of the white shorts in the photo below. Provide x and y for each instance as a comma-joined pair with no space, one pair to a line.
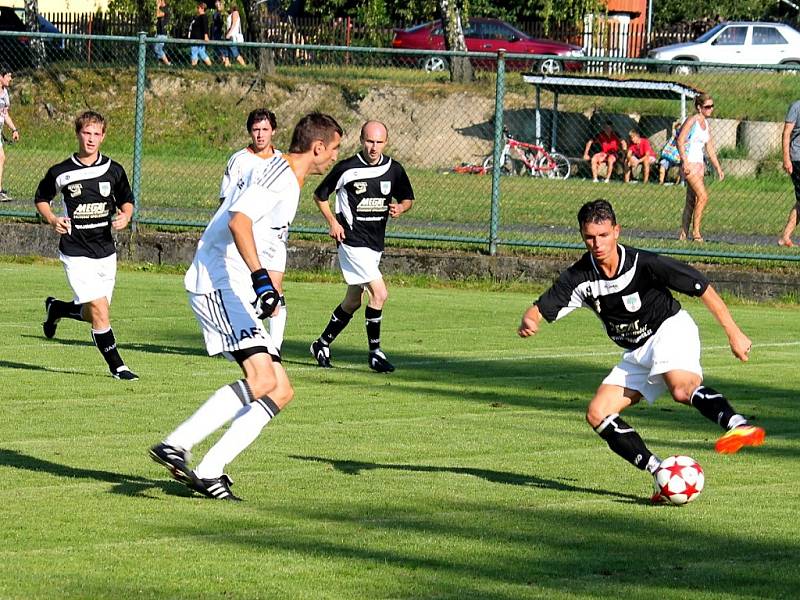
229,323
273,255
359,265
675,346
90,278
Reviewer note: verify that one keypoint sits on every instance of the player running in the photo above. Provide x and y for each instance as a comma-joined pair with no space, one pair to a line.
230,292
628,289
365,185
97,198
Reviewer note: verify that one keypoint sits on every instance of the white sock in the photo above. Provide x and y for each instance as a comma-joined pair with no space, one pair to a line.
277,325
220,408
243,431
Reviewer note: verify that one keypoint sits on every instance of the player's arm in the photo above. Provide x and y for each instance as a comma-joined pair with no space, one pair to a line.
398,208
530,322
586,149
786,139
740,343
335,229
59,224
123,216
12,127
267,298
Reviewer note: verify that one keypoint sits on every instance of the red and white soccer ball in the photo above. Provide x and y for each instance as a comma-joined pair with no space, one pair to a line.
680,479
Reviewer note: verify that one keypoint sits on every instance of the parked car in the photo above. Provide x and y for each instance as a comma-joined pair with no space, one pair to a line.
16,50
489,35
741,43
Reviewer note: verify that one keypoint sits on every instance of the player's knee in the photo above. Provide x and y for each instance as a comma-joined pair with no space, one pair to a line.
683,392
595,414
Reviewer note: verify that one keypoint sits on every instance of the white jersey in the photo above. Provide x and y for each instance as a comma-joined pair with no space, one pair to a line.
269,196
5,102
240,164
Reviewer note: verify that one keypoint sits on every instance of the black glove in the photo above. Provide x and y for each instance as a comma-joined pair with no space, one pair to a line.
267,297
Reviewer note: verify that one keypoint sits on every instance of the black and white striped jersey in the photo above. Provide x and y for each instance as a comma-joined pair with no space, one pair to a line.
633,303
363,195
91,195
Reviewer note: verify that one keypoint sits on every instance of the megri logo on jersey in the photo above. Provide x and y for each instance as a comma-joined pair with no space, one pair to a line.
90,210
74,189
371,205
360,187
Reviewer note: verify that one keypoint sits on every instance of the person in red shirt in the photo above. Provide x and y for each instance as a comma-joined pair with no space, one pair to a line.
640,152
610,145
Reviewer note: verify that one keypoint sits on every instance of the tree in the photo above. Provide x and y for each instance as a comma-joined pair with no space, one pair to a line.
460,66
32,23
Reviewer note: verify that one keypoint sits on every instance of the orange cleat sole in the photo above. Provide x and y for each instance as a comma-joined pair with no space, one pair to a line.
738,437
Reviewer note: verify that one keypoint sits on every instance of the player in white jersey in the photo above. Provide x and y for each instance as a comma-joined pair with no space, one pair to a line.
261,125
230,291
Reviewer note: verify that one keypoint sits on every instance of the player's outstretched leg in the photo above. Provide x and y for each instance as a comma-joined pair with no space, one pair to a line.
55,310
320,348
715,407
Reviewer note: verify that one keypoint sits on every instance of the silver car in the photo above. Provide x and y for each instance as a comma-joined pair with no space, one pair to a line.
735,42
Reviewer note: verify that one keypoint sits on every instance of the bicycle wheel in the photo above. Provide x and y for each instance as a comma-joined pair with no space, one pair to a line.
507,167
554,166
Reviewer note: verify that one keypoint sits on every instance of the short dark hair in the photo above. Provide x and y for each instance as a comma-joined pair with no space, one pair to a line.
311,128
5,69
89,116
261,114
596,211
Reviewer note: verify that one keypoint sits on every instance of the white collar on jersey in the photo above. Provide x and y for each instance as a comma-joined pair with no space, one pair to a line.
620,266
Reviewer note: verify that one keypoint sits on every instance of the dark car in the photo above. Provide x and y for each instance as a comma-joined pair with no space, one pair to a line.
489,35
16,51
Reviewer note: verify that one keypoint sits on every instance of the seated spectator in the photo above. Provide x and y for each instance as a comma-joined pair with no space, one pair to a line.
609,147
639,152
669,156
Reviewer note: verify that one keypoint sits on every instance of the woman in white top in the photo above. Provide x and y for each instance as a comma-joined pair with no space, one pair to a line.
234,32
693,139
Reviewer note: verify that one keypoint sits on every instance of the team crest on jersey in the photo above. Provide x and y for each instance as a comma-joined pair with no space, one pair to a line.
360,187
386,187
74,189
105,188
632,302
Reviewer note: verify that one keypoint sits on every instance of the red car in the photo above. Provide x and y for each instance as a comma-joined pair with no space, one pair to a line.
488,35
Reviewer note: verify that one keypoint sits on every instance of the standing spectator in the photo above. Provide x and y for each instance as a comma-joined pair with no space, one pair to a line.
218,29
639,152
365,185
162,22
234,32
230,292
198,30
97,198
5,119
610,145
791,164
693,139
669,156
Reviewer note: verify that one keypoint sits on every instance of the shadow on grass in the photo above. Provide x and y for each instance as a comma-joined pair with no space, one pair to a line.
198,350
7,364
353,467
126,485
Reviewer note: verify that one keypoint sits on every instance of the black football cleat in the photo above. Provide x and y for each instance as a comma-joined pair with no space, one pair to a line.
175,459
125,374
218,488
321,353
378,362
50,324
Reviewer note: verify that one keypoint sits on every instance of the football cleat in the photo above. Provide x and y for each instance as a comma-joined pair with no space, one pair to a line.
49,325
175,459
657,497
322,353
126,374
378,362
738,437
218,488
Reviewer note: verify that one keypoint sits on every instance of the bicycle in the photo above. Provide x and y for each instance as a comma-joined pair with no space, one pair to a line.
537,161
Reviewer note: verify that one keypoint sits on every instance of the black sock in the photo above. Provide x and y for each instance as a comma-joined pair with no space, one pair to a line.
623,439
373,320
339,320
65,310
715,407
105,342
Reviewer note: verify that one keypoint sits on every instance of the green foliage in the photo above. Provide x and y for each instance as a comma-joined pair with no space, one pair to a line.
674,11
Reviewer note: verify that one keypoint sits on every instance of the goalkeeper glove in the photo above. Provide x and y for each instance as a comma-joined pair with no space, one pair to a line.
267,297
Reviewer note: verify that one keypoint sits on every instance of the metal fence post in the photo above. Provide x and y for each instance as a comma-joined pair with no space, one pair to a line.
136,184
499,96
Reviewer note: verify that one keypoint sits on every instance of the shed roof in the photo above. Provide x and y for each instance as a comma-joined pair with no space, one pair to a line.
603,86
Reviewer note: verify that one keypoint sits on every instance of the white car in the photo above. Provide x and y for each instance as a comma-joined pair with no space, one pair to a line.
739,43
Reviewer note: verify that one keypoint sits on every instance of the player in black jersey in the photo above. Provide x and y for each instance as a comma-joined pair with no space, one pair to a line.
629,290
365,185
97,198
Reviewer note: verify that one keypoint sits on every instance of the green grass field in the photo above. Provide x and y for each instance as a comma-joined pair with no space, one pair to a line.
468,473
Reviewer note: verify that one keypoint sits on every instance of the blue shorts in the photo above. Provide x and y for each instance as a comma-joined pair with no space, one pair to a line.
233,51
198,52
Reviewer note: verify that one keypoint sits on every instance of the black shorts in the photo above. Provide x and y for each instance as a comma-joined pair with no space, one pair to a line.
796,180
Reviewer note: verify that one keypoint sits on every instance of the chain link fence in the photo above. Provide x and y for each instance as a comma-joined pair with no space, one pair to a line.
500,162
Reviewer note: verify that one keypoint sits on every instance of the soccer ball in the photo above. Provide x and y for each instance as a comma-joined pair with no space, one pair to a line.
680,479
